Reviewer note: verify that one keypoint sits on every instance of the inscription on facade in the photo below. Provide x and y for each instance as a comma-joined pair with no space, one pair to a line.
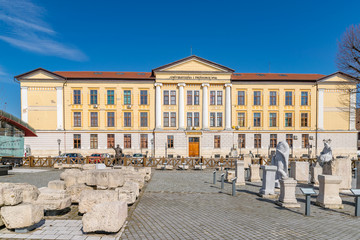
192,78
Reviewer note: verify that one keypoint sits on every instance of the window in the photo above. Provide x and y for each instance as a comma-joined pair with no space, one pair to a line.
241,119
196,119
189,97
219,97
93,119
304,120
289,140
173,119
272,98
166,97
241,140
111,119
127,140
127,119
193,119
143,119
170,141
288,119
169,119
110,97
77,119
127,97
257,98
77,96
217,141
241,97
257,140
173,97
212,119
143,97
166,119
110,140
196,97
93,97
305,140
219,119
143,141
288,98
189,119
304,98
257,119
93,141
77,141
272,120
273,140
212,97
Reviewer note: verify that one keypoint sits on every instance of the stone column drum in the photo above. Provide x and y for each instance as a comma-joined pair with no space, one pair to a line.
300,171
239,173
329,192
340,167
268,183
255,173
287,193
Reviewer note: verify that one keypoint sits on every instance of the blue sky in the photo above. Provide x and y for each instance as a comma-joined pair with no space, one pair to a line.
293,36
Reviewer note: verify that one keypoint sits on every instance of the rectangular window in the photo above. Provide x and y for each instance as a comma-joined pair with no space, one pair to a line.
219,119
110,140
110,97
166,119
93,141
212,119
241,140
77,96
189,97
217,141
241,119
143,141
304,120
241,97
93,97
127,119
289,140
257,98
305,140
166,97
127,97
94,119
77,119
196,97
288,98
173,97
219,99
304,98
196,119
143,119
212,97
111,119
143,97
272,119
127,140
288,119
173,119
257,119
257,140
170,141
273,140
189,119
77,141
273,98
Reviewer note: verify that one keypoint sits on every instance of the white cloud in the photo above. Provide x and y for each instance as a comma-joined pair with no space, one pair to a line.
27,30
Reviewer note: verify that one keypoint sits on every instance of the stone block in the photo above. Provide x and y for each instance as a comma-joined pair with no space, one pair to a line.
88,199
52,199
12,196
134,186
56,185
105,217
199,167
299,170
315,171
88,167
126,194
73,172
100,166
239,173
340,167
105,179
329,192
30,193
287,193
75,191
230,175
22,215
255,173
268,181
135,178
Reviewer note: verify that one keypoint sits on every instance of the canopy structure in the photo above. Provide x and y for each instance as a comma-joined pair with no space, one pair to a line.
18,123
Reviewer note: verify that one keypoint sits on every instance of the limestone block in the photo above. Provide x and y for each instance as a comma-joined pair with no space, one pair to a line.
340,167
315,171
69,172
104,179
56,184
12,196
74,179
105,217
128,168
135,178
52,199
160,167
268,181
199,167
57,166
30,192
1,221
134,186
299,170
88,167
169,167
22,215
287,193
75,191
239,172
126,194
230,175
329,192
88,199
100,166
147,170
255,173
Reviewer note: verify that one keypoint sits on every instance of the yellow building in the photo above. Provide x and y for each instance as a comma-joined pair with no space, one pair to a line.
190,107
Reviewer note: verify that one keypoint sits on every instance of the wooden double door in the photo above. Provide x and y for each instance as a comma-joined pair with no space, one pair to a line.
194,146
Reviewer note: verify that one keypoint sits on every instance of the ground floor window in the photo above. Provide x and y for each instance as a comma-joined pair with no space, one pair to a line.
93,141
273,140
217,141
77,141
170,141
305,141
110,140
127,140
257,140
143,141
241,140
289,140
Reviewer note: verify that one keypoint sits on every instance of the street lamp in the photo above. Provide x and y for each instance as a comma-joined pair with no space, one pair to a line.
152,148
59,141
166,147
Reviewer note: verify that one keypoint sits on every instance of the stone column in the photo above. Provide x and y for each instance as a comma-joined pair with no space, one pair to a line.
287,193
321,108
205,107
239,172
255,173
59,109
352,117
158,105
315,171
24,104
340,167
181,106
329,192
300,171
228,106
268,182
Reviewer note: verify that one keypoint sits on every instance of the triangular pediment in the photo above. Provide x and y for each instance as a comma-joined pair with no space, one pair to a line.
338,77
39,74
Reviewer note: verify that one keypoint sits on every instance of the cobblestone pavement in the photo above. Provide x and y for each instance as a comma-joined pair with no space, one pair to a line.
186,205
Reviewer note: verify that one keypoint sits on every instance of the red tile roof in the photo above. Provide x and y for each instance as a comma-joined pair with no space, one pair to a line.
106,75
275,76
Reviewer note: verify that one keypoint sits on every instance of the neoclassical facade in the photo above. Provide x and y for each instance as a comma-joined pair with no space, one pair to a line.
190,107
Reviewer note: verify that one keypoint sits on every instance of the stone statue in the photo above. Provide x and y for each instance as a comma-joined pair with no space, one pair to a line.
233,152
118,153
281,161
325,155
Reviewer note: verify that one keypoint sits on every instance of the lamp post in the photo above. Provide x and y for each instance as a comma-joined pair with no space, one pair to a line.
59,141
152,147
166,147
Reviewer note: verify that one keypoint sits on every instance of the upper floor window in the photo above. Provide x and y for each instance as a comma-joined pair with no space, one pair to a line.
304,98
272,119
127,97
111,119
166,97
94,119
241,119
288,98
189,97
215,119
173,119
127,119
288,120
143,97
143,119
173,97
77,96
93,97
196,97
169,119
219,97
257,119
273,98
212,97
77,119
110,97
257,97
241,97
304,119
193,119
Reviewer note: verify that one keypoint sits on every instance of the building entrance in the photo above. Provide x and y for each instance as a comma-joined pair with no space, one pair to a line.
194,146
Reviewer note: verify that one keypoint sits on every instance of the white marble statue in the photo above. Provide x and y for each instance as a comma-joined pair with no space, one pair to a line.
325,154
281,161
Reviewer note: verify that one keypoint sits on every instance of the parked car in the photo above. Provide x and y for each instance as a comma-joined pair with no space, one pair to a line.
96,158
73,156
138,158
106,155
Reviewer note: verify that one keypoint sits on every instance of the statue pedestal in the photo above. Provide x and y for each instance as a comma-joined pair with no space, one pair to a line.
247,160
357,165
315,172
329,192
340,167
300,171
268,182
239,173
287,193
255,173
230,175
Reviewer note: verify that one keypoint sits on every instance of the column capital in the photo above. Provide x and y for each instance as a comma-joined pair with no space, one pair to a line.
181,84
228,84
22,87
205,85
158,84
59,88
